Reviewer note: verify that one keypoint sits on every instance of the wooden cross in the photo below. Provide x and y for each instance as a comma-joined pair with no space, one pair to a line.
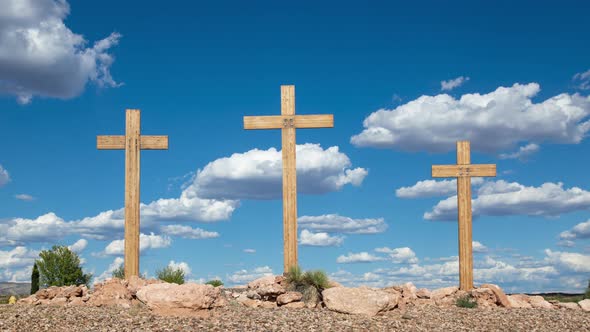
132,143
288,122
463,171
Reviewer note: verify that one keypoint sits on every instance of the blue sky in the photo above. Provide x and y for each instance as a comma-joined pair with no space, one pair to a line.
404,82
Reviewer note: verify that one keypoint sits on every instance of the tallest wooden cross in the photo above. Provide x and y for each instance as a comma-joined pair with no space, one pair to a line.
288,122
133,142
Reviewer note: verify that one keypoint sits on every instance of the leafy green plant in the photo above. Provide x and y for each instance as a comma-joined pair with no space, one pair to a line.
214,283
61,267
170,274
119,272
35,279
466,301
295,275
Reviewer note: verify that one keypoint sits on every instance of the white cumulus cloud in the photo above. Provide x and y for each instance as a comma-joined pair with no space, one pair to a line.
41,56
523,152
188,232
582,80
402,255
322,239
334,223
453,83
151,241
493,122
580,231
501,198
24,197
79,246
361,257
245,276
257,174
432,188
4,176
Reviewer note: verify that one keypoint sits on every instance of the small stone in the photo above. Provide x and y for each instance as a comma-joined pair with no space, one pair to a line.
289,297
294,305
585,305
268,305
423,293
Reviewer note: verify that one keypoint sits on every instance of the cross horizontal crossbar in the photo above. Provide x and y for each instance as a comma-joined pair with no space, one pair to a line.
107,142
289,121
455,171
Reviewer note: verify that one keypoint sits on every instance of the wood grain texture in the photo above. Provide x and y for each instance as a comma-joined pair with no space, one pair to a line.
106,142
463,171
281,121
289,181
288,122
132,199
454,171
464,216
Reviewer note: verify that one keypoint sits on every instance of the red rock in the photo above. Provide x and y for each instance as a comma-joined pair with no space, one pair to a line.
501,298
289,297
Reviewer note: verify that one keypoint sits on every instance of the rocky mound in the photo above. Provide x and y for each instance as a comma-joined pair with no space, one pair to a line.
274,292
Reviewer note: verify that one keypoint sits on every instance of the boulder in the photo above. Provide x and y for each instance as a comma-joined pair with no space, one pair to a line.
423,293
361,300
539,302
501,298
260,282
289,297
48,293
77,301
409,291
251,303
519,301
253,295
70,291
485,297
294,305
268,305
585,305
333,283
111,292
191,296
568,305
439,294
270,291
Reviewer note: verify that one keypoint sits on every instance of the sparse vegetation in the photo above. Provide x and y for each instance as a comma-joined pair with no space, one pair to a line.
309,283
587,294
170,274
466,301
119,272
61,267
214,283
34,279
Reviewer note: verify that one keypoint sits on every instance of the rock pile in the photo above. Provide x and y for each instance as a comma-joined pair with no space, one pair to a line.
274,292
270,292
157,295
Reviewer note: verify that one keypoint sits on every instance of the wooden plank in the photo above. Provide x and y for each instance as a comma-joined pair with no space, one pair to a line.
464,216
154,142
289,181
108,142
281,121
132,199
314,121
454,171
263,122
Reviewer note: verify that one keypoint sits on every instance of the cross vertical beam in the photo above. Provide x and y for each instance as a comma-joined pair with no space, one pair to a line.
463,171
288,122
465,229
289,178
133,142
132,171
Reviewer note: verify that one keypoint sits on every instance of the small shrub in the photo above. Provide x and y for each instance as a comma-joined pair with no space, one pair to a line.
171,275
317,279
214,283
119,272
295,275
466,301
587,294
35,279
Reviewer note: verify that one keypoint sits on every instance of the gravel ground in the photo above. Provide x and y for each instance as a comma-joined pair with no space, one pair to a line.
238,318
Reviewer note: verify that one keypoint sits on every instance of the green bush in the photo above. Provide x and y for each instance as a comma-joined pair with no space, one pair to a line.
34,279
214,283
171,275
61,267
317,279
466,301
119,272
295,275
